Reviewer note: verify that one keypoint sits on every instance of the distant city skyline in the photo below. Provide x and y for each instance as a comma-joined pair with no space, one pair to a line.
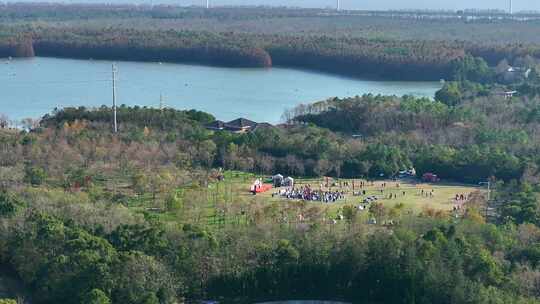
518,5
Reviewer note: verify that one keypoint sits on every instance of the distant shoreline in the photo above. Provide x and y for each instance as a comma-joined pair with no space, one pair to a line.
261,59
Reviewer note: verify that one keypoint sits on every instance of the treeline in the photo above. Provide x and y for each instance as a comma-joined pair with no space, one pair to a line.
476,136
359,57
105,36
494,53
363,46
396,134
74,11
162,119
388,59
204,48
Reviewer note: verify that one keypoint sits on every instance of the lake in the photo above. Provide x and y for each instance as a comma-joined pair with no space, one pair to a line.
35,86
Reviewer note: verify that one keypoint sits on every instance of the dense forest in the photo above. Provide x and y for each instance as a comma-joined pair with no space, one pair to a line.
70,231
194,35
348,56
282,21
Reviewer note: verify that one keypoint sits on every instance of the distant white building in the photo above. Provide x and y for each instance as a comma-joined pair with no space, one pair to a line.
515,74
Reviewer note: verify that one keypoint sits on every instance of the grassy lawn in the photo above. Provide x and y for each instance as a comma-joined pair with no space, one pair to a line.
230,200
406,192
234,193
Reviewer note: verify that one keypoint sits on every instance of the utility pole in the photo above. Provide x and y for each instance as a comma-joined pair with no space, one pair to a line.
338,5
207,4
161,105
115,124
488,184
511,8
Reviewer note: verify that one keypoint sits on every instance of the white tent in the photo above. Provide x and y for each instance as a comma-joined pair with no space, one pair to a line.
288,182
277,180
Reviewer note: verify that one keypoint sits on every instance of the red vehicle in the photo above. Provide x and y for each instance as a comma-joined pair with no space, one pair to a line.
430,177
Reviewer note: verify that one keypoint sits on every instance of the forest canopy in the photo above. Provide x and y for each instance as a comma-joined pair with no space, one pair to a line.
192,35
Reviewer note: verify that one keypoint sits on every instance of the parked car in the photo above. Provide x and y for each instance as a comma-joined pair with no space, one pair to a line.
430,178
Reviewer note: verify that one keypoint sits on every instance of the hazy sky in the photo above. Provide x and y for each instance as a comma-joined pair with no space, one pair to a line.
346,4
383,4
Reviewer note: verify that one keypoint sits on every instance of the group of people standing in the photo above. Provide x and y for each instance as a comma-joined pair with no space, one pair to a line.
395,196
308,194
459,201
426,193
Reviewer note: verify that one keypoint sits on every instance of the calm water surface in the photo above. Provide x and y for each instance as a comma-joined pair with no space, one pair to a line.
33,87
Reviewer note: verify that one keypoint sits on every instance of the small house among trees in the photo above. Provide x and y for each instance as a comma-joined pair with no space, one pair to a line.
240,125
216,125
507,94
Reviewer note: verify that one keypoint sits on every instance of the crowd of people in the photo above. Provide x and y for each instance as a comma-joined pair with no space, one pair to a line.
308,194
330,191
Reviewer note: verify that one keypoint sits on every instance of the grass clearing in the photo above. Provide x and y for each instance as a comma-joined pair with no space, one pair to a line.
230,202
407,192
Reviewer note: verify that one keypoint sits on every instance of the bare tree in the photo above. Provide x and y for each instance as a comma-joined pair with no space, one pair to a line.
30,123
4,121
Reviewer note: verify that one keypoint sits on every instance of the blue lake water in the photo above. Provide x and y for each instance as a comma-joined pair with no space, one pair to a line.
33,87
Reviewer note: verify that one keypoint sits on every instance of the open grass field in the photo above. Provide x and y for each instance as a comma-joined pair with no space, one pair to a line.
414,196
230,201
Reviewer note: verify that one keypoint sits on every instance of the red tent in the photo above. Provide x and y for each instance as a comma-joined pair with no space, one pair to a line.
263,188
259,187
